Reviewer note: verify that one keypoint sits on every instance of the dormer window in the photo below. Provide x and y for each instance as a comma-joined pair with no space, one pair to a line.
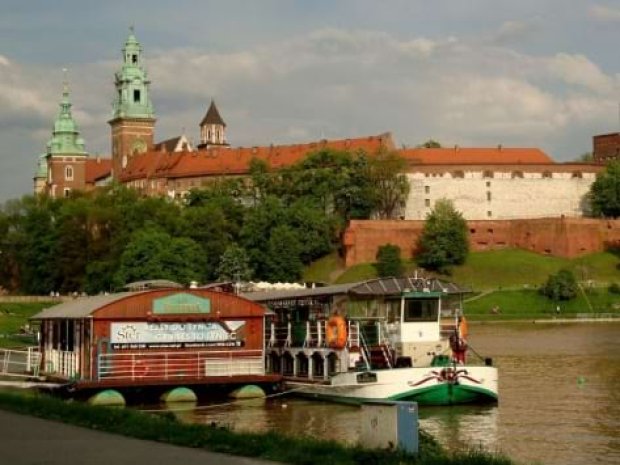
134,58
136,95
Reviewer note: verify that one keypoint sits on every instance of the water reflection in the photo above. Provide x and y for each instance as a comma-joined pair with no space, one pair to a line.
559,401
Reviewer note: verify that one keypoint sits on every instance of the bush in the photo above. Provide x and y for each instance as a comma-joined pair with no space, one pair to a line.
614,288
560,286
389,262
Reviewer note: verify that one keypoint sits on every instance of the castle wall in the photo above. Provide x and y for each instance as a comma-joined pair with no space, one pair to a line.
488,194
564,237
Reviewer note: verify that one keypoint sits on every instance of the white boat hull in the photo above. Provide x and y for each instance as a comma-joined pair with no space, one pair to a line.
443,385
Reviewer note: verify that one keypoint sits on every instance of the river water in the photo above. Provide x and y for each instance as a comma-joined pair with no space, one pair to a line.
559,403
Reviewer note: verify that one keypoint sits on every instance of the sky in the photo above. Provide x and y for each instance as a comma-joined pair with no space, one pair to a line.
527,73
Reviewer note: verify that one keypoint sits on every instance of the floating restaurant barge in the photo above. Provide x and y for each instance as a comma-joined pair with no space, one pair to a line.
162,337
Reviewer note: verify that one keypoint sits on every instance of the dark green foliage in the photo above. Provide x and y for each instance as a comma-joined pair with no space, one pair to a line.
614,288
283,252
234,265
389,262
154,254
605,192
560,286
444,241
271,446
430,144
390,184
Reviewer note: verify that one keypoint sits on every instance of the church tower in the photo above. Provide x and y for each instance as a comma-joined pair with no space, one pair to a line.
65,155
212,129
133,119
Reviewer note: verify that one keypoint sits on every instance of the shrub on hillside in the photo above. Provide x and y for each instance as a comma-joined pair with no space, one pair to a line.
389,262
560,286
614,288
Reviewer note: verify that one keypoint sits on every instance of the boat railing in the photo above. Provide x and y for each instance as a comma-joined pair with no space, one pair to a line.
139,366
20,363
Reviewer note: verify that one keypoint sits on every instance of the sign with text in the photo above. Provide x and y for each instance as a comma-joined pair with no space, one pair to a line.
138,335
180,304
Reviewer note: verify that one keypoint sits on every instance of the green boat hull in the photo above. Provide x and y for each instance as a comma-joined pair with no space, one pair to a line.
448,394
440,394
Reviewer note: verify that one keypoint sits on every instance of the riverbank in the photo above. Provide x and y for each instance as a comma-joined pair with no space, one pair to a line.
165,428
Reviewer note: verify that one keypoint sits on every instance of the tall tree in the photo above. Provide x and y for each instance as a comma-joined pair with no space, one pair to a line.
389,262
605,192
387,174
154,254
234,264
282,262
444,240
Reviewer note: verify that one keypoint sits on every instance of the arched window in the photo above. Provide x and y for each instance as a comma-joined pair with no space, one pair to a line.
458,174
487,174
547,174
577,174
68,173
517,174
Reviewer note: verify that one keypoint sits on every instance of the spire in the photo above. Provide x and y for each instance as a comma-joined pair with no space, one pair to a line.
212,129
132,84
212,116
65,135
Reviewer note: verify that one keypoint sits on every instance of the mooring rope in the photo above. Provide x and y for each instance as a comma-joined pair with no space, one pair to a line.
223,404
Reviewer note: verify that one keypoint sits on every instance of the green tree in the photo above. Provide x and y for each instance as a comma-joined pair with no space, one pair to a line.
282,262
444,241
605,192
387,170
154,254
389,262
234,265
560,286
430,144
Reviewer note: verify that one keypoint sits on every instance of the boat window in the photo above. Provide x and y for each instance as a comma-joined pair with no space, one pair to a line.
421,310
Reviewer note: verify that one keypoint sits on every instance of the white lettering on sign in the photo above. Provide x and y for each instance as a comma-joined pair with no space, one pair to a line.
171,333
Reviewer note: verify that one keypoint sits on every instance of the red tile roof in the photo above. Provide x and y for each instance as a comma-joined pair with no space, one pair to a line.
218,161
476,156
97,168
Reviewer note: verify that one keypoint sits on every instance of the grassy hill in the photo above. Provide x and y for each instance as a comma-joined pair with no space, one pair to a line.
509,268
13,316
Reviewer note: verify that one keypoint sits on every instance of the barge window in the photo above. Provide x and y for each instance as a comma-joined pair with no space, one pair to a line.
421,310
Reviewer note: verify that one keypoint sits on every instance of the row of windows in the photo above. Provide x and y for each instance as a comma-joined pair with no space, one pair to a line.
491,174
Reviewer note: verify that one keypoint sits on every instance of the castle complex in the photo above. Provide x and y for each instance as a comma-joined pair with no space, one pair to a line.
496,183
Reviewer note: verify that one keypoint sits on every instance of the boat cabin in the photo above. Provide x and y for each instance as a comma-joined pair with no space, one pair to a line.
388,322
154,337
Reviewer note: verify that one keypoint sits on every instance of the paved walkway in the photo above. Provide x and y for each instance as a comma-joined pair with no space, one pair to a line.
26,440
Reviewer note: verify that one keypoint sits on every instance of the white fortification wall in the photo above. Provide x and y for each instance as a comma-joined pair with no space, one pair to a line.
503,196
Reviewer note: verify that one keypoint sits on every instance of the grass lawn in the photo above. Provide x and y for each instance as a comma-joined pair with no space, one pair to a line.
14,316
324,269
509,268
528,303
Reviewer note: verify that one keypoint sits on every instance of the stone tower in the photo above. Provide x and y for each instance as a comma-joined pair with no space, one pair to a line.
66,156
133,118
212,129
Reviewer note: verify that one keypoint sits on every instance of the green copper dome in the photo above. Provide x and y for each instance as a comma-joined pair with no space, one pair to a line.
132,84
65,135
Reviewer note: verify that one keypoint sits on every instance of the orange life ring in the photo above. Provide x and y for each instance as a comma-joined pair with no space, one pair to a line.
336,332
463,328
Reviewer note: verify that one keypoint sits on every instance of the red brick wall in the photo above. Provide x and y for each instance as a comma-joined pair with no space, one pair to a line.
606,147
563,237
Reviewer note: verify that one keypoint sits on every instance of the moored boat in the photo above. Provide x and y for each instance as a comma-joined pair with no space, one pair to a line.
384,339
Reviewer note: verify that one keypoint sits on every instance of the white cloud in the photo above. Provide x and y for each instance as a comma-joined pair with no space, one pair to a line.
604,13
338,83
579,70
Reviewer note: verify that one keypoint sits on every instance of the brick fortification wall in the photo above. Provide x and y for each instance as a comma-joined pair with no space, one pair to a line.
563,237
